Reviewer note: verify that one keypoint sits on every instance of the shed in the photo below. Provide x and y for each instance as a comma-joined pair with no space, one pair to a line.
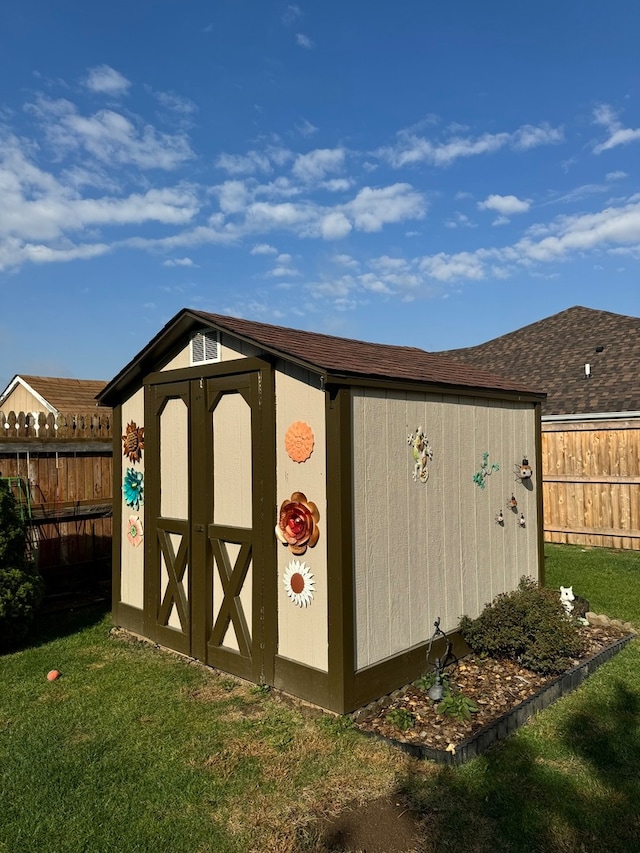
586,360
299,509
50,394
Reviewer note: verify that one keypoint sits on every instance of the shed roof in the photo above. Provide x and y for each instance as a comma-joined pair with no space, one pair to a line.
61,394
333,357
551,354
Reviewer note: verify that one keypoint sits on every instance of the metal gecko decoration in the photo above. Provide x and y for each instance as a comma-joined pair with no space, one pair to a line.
479,478
422,454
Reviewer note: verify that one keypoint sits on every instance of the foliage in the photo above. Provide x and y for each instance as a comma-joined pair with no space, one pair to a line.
401,719
429,679
457,705
528,625
20,584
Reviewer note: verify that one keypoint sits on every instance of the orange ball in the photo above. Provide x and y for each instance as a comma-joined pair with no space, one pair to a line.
51,676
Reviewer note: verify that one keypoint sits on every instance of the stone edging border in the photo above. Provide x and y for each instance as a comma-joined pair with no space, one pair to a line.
508,723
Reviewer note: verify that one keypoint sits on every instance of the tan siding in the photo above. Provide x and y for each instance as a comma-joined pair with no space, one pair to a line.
21,400
233,491
302,631
230,349
232,486
429,550
132,559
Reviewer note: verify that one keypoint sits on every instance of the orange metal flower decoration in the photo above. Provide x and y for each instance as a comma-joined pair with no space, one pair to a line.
299,441
133,441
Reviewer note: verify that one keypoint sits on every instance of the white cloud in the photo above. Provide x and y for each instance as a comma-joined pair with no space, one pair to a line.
178,262
291,14
614,225
446,268
412,149
335,226
104,80
233,197
616,176
346,261
315,165
176,103
305,128
263,249
304,41
110,137
244,164
335,185
373,208
530,136
507,205
606,117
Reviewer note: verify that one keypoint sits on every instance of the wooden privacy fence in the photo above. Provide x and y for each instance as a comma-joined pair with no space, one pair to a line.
591,483
60,469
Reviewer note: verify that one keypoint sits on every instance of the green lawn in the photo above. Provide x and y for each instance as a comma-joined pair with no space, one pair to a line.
135,749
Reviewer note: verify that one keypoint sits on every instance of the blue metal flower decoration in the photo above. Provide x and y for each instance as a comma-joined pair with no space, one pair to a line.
133,488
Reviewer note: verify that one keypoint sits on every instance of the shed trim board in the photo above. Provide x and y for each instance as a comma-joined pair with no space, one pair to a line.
211,587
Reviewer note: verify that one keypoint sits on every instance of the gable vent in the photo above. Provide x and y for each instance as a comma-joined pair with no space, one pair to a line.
205,347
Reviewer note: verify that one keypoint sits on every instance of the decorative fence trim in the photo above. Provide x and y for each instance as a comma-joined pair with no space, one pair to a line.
47,426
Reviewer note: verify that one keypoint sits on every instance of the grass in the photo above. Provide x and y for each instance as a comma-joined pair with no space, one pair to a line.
136,749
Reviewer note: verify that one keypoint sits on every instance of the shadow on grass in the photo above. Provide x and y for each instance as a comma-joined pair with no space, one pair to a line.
582,795
53,625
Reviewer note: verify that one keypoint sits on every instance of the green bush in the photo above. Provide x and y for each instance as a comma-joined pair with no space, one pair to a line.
528,625
20,584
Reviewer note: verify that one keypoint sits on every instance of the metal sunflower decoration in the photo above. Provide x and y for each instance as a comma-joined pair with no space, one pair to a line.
133,441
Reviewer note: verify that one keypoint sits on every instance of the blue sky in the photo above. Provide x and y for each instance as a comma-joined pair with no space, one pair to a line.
406,172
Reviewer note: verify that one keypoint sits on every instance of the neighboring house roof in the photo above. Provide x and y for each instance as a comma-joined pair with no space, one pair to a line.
70,396
551,355
332,357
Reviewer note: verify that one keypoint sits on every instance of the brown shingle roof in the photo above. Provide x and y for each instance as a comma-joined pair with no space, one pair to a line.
69,396
551,354
344,357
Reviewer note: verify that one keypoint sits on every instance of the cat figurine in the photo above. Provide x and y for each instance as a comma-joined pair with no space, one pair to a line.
575,605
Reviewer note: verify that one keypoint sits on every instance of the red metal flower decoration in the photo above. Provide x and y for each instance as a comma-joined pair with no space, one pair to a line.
297,523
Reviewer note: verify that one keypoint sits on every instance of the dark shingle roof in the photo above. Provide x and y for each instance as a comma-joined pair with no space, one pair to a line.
334,358
551,354
69,396
345,357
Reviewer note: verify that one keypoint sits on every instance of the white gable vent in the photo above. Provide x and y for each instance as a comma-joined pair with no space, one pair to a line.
205,347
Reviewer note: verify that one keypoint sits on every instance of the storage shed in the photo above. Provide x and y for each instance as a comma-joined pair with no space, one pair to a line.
298,509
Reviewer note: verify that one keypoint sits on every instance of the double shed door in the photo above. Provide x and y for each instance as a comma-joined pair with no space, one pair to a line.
210,587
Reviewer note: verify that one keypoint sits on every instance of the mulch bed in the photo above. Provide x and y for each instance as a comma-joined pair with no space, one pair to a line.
496,686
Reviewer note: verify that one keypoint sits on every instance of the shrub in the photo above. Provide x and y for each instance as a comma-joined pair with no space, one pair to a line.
528,625
458,706
20,584
401,719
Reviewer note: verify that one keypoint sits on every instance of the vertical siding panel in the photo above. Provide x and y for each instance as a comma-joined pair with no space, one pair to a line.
377,518
398,535
361,593
457,452
302,631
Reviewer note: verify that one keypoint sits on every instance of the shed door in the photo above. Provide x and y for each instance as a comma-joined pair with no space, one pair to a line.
209,510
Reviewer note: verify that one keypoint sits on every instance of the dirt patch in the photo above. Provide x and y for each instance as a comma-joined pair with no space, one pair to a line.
380,826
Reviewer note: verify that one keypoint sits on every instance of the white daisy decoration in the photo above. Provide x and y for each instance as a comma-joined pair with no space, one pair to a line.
298,582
